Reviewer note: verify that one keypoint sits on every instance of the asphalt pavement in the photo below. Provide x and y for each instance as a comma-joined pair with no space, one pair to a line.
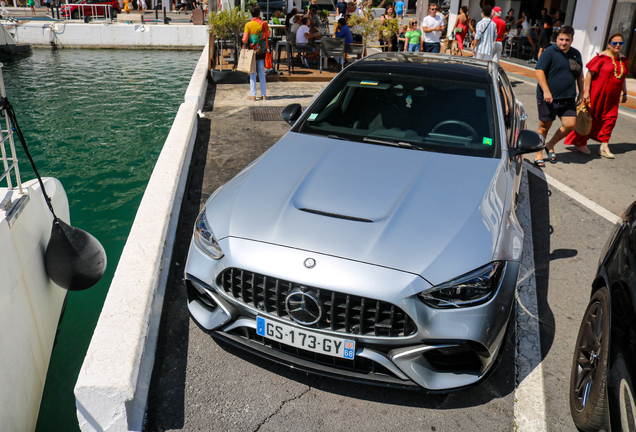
201,384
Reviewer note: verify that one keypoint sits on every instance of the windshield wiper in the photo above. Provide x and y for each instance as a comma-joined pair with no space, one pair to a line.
391,143
337,137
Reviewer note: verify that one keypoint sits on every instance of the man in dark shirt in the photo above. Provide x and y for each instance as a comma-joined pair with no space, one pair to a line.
341,9
342,31
545,33
559,72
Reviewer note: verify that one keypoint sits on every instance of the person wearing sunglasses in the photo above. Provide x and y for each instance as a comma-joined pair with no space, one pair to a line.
432,26
604,87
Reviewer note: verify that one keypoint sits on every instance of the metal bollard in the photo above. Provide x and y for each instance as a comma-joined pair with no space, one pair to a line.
166,20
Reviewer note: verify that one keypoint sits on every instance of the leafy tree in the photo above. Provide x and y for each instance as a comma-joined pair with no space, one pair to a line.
228,24
365,24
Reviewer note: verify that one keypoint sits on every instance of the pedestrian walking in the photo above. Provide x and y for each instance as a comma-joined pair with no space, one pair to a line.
141,6
485,35
413,37
462,24
5,11
559,72
400,10
432,27
254,38
31,4
497,48
604,82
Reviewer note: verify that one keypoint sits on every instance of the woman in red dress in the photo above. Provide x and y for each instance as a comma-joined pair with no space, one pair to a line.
603,84
462,24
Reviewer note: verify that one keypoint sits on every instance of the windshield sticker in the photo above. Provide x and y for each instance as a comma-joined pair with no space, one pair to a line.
480,93
312,117
374,83
409,101
487,141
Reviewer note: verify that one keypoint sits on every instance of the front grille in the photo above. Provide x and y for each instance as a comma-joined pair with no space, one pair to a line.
341,312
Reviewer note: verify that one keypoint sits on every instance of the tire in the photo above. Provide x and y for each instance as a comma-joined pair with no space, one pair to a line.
621,395
113,14
588,395
75,14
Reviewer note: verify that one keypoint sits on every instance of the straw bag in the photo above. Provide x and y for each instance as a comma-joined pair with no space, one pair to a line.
247,61
583,119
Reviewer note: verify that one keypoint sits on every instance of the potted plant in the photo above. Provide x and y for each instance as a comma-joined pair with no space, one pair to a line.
365,24
228,24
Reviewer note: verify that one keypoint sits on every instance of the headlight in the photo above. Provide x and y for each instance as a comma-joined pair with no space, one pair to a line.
470,289
204,237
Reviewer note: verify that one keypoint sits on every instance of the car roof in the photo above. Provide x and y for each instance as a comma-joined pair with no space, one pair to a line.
461,69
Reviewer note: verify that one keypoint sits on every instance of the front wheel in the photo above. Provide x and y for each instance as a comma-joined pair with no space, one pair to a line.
75,14
113,14
588,395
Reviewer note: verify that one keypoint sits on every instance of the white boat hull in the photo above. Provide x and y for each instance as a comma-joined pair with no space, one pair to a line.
30,304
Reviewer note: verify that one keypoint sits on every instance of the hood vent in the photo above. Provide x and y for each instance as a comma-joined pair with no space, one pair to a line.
335,215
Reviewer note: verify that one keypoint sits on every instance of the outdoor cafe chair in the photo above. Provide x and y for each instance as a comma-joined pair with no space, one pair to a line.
332,47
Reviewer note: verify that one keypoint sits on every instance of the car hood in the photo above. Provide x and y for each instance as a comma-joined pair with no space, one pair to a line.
433,214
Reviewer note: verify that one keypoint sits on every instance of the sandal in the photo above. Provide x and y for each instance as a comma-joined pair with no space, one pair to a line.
552,157
539,163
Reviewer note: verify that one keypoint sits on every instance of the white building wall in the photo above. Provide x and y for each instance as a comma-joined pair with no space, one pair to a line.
591,21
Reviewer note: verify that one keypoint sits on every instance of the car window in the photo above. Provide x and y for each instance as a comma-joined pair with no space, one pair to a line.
434,114
507,105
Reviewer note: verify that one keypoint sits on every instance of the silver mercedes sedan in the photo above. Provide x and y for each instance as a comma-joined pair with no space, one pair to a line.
377,241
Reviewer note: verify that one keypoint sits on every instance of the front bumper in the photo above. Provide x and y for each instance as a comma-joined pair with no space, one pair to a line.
450,348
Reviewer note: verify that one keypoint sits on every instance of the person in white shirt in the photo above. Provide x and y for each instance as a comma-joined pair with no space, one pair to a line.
303,38
485,35
432,27
4,8
141,6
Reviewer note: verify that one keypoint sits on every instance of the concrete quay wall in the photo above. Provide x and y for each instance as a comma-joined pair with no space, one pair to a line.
115,35
112,388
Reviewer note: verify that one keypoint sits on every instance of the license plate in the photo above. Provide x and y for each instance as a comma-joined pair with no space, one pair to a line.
307,340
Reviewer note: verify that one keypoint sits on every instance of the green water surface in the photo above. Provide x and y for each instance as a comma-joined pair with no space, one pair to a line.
96,120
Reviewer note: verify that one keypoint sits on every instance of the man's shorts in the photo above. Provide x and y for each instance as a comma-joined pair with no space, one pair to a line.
548,112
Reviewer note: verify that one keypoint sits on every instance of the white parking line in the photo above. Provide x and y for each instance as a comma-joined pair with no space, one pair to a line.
601,211
529,402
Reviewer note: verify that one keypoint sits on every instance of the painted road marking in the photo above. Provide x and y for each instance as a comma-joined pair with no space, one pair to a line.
586,202
529,402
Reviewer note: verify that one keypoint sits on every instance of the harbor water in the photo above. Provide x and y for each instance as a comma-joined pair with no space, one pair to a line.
96,120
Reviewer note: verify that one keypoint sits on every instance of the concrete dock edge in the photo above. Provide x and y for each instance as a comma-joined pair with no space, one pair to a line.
112,387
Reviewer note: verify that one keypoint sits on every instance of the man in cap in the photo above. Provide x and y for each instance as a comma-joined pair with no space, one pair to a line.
497,48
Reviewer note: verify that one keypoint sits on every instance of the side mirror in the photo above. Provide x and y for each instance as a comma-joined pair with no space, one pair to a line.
528,142
291,113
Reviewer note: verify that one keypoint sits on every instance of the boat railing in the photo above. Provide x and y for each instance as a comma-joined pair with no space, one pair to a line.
9,159
95,12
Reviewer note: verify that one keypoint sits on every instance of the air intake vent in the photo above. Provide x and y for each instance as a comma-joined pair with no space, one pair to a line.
335,215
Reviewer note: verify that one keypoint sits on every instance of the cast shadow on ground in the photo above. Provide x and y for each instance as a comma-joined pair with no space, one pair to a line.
541,231
165,409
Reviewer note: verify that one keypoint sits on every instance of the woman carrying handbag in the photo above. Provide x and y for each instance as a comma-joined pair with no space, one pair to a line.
604,83
255,38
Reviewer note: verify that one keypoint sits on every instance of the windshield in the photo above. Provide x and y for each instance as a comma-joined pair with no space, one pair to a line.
421,112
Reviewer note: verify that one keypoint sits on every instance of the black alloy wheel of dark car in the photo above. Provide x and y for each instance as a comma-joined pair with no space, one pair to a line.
75,14
621,394
588,396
